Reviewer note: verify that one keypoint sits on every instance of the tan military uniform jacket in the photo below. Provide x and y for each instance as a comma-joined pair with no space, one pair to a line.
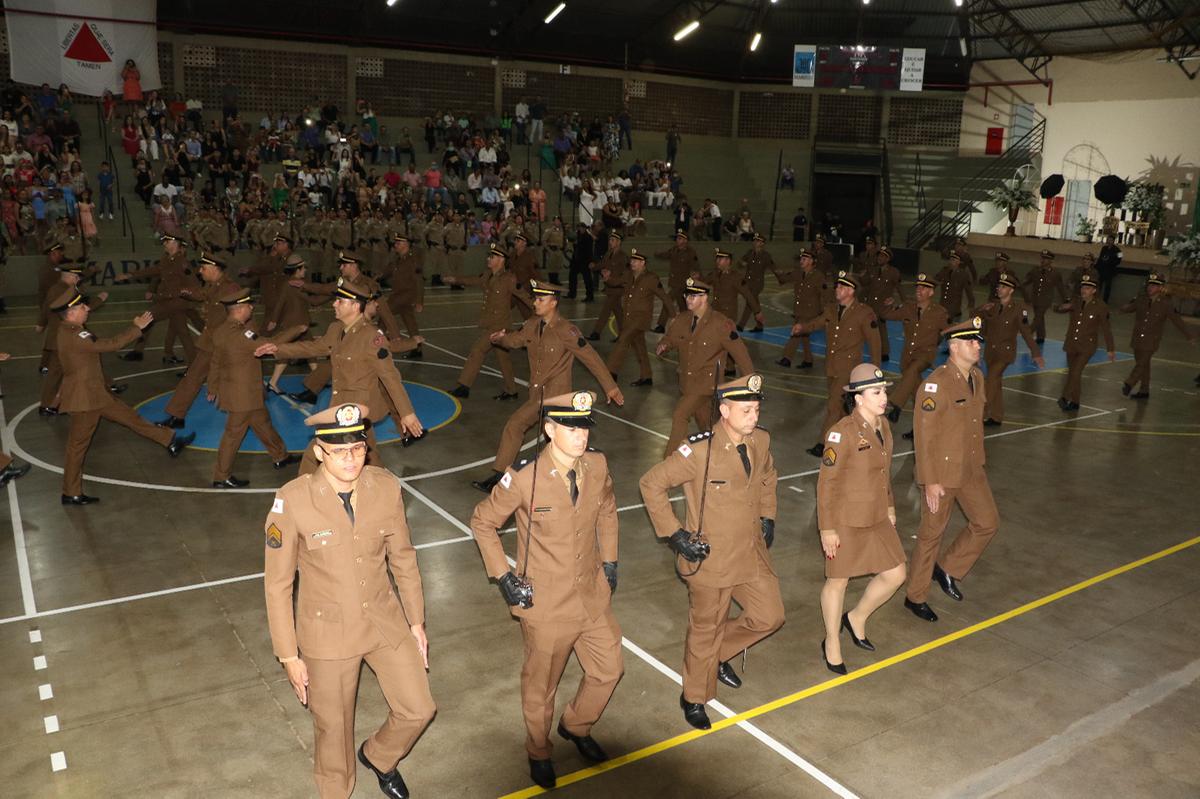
824,261
714,339
683,263
51,321
756,265
854,488
293,308
1151,317
1001,324
617,263
570,542
268,273
726,288
173,274
454,237
211,308
84,387
948,427
345,600
956,287
922,327
47,278
339,234
554,239
524,267
1041,286
1087,321
552,350
498,290
885,283
808,293
433,232
235,375
734,504
846,334
637,304
408,283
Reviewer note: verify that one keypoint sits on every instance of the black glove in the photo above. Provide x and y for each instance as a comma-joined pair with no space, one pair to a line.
768,531
610,574
514,590
681,542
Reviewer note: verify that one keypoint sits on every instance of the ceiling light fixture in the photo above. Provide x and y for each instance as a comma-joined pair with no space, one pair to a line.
755,42
391,3
958,3
686,30
962,45
558,9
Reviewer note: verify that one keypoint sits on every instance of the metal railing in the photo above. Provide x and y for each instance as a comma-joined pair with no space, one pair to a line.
775,202
919,183
885,177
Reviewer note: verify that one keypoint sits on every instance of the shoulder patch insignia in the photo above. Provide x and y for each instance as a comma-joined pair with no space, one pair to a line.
506,480
521,464
250,334
694,437
928,404
685,450
931,388
830,456
274,536
277,505
834,436
575,331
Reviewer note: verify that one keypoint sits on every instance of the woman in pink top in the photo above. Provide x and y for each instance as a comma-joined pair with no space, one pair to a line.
537,201
87,221
132,92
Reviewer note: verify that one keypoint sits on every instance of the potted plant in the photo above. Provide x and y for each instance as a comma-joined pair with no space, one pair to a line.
1013,197
1185,254
1084,228
1145,202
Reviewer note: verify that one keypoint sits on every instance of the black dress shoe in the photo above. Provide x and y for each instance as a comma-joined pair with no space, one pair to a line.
643,381
506,395
727,675
786,363
861,643
1136,395
487,485
230,482
171,360
893,414
304,396
836,668
588,299
659,329
920,609
79,499
740,328
457,287
1041,341
947,583
117,388
287,461
586,745
885,358
12,471
460,391
990,422
132,355
542,773
805,365
414,355
1074,406
693,713
593,337
173,422
391,783
1063,405
1126,388
179,444
48,411
907,436
817,450
613,375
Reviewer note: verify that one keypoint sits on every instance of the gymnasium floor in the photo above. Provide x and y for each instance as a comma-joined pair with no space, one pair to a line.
135,658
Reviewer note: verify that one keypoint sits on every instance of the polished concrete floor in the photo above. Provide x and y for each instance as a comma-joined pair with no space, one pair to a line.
134,655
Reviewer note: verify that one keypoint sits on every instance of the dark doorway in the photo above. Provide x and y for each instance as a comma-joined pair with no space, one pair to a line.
850,198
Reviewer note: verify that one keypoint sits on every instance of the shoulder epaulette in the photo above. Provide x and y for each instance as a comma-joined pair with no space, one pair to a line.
593,449
521,464
697,437
760,427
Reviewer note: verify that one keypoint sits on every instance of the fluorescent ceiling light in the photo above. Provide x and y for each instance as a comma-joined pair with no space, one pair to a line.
558,9
391,3
686,29
755,41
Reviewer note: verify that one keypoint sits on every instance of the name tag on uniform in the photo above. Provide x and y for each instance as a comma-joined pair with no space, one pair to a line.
322,534
543,510
931,388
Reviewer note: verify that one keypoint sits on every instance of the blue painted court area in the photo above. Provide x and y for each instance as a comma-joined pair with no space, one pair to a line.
1052,350
435,408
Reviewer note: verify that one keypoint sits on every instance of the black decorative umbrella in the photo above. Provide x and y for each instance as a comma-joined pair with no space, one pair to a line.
1111,190
1051,186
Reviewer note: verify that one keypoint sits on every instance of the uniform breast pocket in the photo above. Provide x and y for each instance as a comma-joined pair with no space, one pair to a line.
318,627
316,540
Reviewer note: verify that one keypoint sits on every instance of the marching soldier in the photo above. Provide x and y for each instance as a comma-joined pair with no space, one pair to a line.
499,290
638,308
756,262
434,245
174,275
865,262
567,573
1003,319
848,325
343,527
454,239
615,264
85,394
1086,264
235,385
553,344
292,310
949,469
823,257
856,513
407,297
583,259
684,263
964,255
338,235
729,480
1042,285
267,273
48,274
727,286
924,320
1152,311
956,282
883,284
808,299
524,266
992,278
706,340
1089,318
69,276
532,229
554,241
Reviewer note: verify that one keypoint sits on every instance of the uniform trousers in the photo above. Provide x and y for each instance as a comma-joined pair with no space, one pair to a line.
578,271
524,310
911,368
689,406
455,259
1141,369
713,637
309,462
514,430
1075,363
482,346
236,425
756,289
835,408
316,380
52,380
994,386
83,427
436,259
554,261
174,311
548,646
332,693
189,386
1039,321
885,348
611,307
664,315
407,314
794,342
633,336
974,496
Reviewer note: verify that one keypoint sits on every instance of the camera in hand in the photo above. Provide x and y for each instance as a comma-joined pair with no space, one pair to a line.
690,546
517,590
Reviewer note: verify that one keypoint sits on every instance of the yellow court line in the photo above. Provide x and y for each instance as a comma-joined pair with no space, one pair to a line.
679,740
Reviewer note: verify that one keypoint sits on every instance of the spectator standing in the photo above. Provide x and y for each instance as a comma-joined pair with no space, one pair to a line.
1107,265
521,121
537,113
131,79
673,141
625,123
799,225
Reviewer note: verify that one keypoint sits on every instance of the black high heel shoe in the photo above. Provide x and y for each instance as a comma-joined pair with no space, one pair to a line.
861,643
836,668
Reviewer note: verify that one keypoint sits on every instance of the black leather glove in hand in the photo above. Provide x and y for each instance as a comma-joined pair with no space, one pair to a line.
610,574
514,591
681,542
768,530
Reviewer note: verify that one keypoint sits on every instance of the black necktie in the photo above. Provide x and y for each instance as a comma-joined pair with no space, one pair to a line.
695,319
840,309
918,313
541,328
574,486
346,504
741,448
879,435
971,384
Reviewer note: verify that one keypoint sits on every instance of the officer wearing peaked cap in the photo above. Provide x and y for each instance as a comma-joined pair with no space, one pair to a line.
1152,310
1089,318
1042,285
755,262
924,320
1003,319
613,268
808,299
499,290
637,309
343,527
566,516
173,276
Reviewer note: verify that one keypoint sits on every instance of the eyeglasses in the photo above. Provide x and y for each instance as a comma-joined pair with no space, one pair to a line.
350,453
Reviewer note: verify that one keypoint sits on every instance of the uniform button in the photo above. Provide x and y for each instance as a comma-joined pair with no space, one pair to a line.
358,560
318,613
362,582
364,604
323,543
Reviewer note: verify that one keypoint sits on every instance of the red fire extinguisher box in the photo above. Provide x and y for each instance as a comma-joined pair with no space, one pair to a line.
995,141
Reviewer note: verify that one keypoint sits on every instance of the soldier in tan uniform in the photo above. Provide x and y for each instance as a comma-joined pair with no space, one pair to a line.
553,344
343,528
882,285
1042,285
992,278
729,483
1152,311
499,289
823,258
569,559
615,264
235,385
950,468
706,340
524,267
267,273
70,274
808,299
1086,264
637,307
867,260
956,282
684,263
727,286
924,320
85,395
1003,319
435,252
848,325
554,242
454,240
407,297
754,265
292,310
856,514
48,274
173,275
1089,318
